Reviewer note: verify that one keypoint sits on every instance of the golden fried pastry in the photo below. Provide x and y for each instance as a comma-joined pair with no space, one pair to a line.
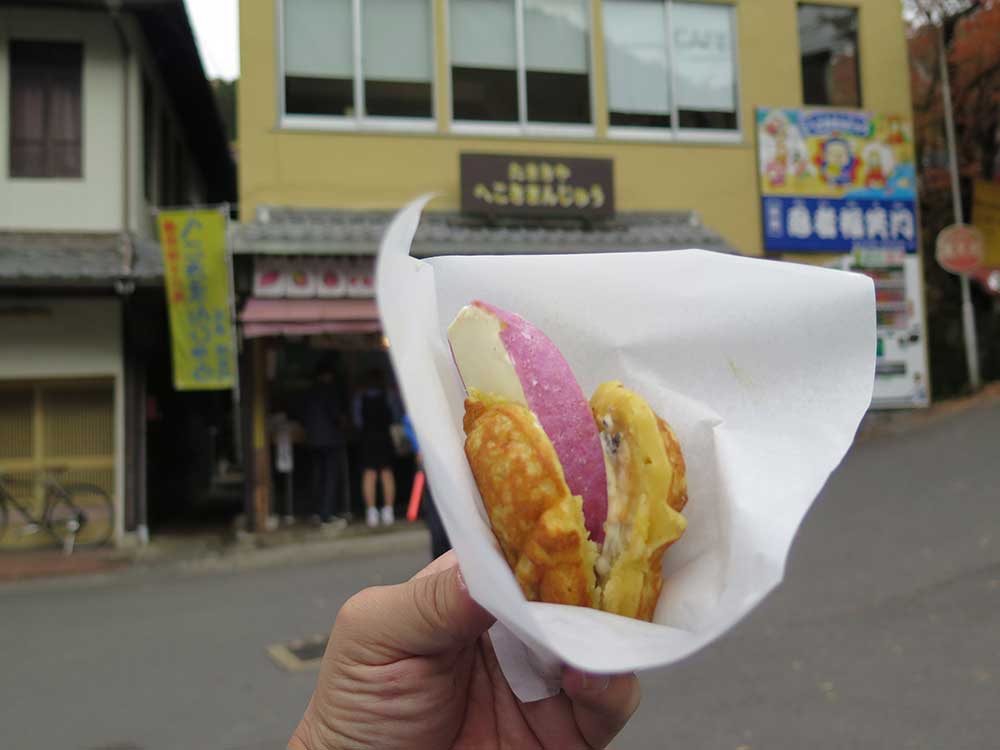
677,495
536,519
644,487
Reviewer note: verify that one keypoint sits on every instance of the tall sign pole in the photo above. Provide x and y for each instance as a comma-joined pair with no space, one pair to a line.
968,315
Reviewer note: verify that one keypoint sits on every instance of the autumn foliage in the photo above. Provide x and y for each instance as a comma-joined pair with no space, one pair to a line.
971,32
974,62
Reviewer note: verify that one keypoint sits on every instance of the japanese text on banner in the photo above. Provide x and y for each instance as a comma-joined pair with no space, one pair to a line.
197,285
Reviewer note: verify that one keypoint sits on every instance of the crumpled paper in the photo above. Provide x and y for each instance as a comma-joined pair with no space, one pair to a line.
763,369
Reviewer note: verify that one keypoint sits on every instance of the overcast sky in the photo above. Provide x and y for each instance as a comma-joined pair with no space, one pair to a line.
216,24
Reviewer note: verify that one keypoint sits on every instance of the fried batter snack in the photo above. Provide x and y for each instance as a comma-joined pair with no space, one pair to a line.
646,490
536,519
540,524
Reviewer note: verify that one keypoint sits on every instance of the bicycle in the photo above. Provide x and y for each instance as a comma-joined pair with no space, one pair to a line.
73,514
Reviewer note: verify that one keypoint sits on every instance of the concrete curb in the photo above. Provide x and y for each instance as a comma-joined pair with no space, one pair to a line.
880,424
243,556
214,554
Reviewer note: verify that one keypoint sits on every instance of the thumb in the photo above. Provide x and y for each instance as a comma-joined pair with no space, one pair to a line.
427,615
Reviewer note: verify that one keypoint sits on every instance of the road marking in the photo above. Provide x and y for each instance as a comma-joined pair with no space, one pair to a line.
299,655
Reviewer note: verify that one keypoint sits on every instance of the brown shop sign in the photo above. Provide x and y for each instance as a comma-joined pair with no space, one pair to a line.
541,186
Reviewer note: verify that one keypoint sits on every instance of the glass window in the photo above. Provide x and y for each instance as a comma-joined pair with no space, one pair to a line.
556,59
397,61
670,64
319,57
530,69
635,53
705,61
395,39
828,44
484,60
46,112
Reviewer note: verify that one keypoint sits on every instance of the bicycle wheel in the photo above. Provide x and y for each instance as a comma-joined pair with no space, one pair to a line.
84,510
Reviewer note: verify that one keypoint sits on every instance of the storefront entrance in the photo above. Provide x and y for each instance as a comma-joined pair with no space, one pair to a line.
303,374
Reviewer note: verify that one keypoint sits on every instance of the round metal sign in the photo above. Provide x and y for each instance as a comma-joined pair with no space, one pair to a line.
959,248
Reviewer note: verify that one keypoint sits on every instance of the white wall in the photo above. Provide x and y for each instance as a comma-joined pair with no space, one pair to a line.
93,203
44,338
52,338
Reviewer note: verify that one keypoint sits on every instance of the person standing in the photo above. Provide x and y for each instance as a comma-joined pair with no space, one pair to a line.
321,420
439,537
373,415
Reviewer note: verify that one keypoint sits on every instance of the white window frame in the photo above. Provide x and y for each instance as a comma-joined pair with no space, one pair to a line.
523,127
675,132
360,120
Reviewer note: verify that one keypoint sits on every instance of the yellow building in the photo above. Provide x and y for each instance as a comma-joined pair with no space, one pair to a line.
423,52
350,108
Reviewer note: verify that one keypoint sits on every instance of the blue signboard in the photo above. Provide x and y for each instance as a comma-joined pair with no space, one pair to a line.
833,225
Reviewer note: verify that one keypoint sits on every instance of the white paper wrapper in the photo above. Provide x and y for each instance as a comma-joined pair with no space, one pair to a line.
763,369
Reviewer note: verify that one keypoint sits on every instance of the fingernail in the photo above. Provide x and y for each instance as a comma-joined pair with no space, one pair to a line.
461,579
594,683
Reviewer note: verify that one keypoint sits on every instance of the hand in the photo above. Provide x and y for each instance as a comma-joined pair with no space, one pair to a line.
411,666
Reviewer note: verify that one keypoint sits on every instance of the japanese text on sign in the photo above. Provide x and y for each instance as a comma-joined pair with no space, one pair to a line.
537,186
197,281
834,226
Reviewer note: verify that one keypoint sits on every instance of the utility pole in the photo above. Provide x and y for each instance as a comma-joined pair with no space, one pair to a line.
968,314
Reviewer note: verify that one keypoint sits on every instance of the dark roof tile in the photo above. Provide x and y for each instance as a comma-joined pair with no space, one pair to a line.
29,258
303,231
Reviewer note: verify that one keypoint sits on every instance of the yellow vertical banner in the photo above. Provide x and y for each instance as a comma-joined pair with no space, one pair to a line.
198,295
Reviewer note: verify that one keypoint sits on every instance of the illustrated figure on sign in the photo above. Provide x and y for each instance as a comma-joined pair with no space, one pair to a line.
776,169
785,157
876,169
896,134
836,162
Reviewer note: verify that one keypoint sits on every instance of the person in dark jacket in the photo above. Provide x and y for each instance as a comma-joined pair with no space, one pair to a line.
321,419
374,413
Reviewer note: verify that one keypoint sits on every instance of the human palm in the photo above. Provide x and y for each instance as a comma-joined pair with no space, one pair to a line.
411,666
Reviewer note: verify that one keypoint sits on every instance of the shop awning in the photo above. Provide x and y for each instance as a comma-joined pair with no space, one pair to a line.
308,317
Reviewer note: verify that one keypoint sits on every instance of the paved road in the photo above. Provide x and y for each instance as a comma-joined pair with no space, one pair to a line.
886,633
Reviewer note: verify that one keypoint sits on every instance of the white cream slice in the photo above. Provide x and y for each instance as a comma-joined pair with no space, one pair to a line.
481,357
616,527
